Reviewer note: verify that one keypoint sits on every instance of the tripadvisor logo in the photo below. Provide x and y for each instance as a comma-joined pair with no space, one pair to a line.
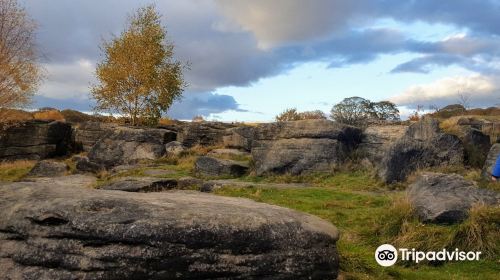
387,255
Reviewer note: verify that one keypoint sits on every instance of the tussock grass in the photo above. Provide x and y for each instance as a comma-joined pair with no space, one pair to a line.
15,170
480,232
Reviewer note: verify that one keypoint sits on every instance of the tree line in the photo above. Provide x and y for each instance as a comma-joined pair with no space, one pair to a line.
353,111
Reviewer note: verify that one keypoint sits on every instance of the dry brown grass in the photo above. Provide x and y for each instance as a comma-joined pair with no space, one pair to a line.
15,170
51,115
13,115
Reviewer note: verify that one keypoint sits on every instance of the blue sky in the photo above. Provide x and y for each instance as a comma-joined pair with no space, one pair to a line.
250,60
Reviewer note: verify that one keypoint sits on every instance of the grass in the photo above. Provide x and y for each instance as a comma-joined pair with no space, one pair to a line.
13,171
368,216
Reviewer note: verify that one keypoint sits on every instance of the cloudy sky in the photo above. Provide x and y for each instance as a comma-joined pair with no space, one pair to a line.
251,59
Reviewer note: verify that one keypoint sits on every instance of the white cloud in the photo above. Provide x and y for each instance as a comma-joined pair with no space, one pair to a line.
68,80
481,89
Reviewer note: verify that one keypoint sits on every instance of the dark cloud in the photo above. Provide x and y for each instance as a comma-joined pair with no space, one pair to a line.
202,104
235,43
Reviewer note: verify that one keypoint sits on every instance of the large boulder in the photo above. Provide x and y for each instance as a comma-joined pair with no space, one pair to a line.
129,145
447,198
209,166
86,135
69,232
423,145
35,140
378,139
490,162
302,146
239,138
202,133
48,168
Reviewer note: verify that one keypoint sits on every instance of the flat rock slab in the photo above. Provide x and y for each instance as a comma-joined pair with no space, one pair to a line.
85,181
141,184
228,152
67,232
158,172
48,168
447,198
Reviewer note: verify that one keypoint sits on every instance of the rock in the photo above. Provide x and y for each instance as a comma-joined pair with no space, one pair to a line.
476,147
68,181
185,183
129,145
447,198
203,133
302,146
228,152
83,165
158,172
141,184
491,159
470,121
378,139
239,138
209,166
35,140
87,134
174,148
422,146
68,232
48,168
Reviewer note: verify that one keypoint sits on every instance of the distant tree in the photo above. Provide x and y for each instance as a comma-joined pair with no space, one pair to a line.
357,111
384,111
313,115
20,72
198,118
290,114
464,100
293,115
139,77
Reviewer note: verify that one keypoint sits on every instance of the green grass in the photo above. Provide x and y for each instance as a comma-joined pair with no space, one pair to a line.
13,171
368,216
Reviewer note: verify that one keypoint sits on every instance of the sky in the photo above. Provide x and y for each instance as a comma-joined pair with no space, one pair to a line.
252,59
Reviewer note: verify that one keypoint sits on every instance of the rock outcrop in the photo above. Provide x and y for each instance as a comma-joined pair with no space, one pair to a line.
174,148
209,166
48,168
129,145
87,134
202,133
67,232
141,184
302,146
422,146
378,139
447,198
476,146
239,138
35,140
491,159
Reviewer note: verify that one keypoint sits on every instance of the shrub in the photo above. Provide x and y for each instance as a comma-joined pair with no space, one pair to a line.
73,116
293,115
49,115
